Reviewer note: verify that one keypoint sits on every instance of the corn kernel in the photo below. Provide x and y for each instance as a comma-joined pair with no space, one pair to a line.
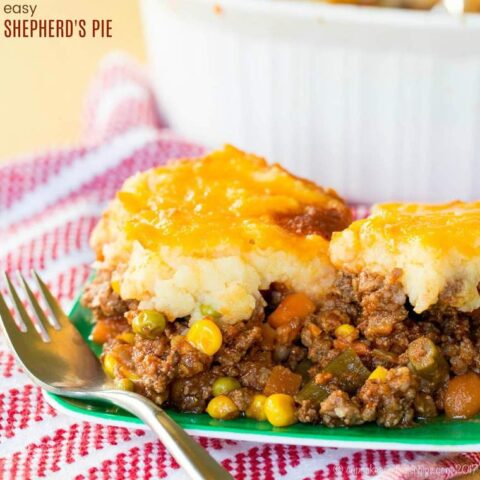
110,365
129,374
346,331
205,336
124,384
222,408
115,284
127,337
280,410
380,374
256,409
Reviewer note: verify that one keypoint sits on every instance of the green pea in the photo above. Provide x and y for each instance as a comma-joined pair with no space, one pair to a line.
149,323
223,385
209,311
124,384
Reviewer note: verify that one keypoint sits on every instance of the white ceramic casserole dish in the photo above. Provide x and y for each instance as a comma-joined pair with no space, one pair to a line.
378,103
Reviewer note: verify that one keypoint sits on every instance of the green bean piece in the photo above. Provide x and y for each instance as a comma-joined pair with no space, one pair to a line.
348,370
313,392
302,369
426,361
384,356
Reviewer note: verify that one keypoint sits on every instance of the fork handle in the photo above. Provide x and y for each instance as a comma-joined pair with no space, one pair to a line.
189,454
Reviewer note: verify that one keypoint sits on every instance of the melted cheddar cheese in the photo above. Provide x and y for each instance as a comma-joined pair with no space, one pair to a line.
224,202
436,246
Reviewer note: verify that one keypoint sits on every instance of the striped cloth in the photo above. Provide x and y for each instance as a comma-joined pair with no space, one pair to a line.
49,203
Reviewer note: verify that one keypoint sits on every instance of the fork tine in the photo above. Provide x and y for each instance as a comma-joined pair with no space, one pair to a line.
18,305
57,311
44,324
12,332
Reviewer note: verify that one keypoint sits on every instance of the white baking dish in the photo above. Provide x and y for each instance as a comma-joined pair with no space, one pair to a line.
379,103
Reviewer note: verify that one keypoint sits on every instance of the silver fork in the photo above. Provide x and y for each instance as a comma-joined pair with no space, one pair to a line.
61,362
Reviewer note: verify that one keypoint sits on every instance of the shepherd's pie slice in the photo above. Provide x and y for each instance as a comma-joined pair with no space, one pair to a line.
217,231
435,249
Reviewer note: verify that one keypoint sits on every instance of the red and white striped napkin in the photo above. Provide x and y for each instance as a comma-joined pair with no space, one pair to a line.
49,203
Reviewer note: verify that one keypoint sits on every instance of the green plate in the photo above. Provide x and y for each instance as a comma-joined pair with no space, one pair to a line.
439,434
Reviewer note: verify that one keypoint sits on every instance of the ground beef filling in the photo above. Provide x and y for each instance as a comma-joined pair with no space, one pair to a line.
355,359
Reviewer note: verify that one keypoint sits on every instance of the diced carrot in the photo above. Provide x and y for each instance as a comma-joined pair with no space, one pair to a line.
360,349
295,305
101,332
282,380
341,344
106,329
288,332
269,335
462,398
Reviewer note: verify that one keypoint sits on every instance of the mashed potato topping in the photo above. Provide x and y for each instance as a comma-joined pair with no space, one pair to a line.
436,246
216,231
